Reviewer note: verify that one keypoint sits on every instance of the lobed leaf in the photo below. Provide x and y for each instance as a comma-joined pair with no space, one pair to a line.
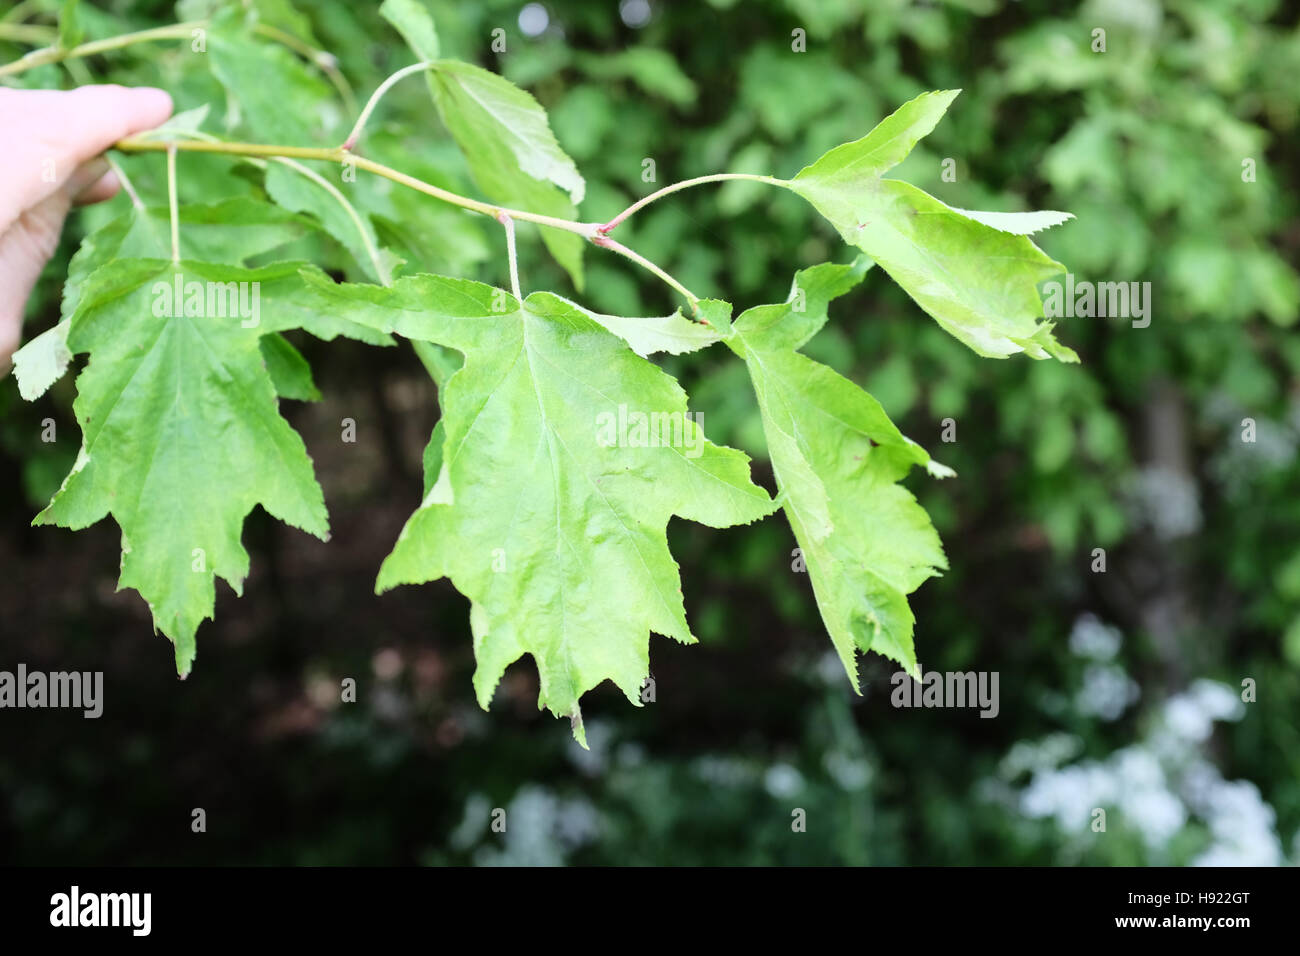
547,516
181,434
231,232
974,272
837,457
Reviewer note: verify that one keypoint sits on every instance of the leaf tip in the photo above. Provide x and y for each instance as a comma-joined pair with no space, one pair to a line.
576,725
185,654
939,470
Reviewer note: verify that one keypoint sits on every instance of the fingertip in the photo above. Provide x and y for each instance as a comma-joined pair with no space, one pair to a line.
86,175
138,107
106,113
152,105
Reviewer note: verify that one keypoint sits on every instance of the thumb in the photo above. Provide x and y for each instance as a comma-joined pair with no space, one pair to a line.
52,133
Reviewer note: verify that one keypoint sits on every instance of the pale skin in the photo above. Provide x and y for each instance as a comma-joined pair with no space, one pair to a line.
52,160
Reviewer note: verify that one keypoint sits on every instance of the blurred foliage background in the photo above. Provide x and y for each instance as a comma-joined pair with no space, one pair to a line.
1119,689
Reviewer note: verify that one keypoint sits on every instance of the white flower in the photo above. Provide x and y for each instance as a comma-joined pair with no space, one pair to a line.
1187,719
1218,700
782,780
1091,638
1106,692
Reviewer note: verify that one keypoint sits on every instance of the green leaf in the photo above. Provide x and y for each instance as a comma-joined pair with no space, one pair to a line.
503,133
289,371
134,234
412,21
673,334
196,9
441,364
543,515
432,458
352,228
884,147
181,434
974,272
1017,223
231,232
499,119
716,313
187,122
42,361
283,15
71,32
838,458
293,308
431,235
276,98
511,151
228,232
279,101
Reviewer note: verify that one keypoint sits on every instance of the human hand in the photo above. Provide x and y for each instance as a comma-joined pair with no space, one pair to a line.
50,160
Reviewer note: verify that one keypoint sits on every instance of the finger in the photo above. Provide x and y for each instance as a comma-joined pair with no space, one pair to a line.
93,118
86,175
105,187
49,134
